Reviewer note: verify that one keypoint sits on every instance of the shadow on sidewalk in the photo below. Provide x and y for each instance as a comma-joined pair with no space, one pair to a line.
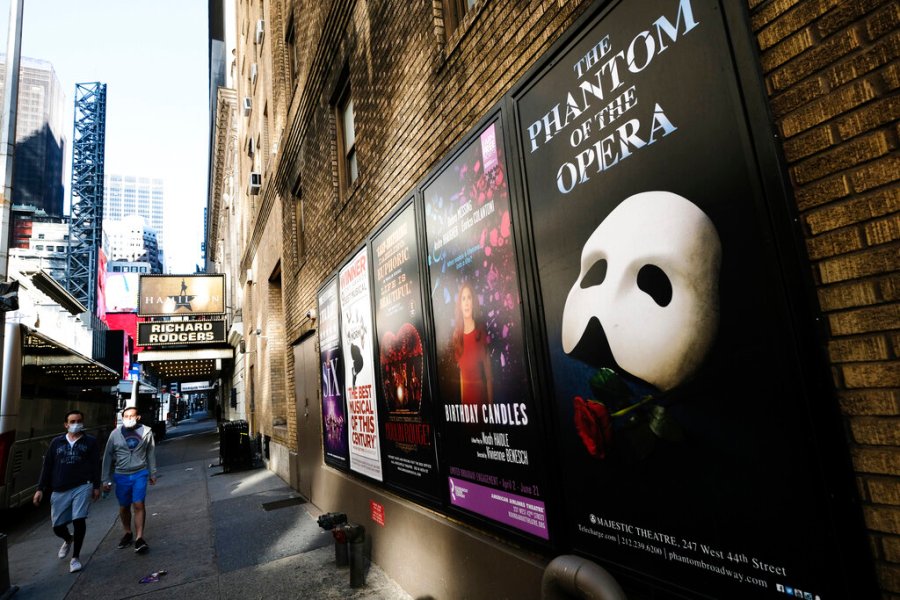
242,534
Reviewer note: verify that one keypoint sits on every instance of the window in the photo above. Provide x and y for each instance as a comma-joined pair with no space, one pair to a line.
39,247
346,137
290,41
454,11
299,224
40,236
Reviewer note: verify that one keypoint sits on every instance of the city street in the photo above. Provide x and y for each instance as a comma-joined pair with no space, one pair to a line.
215,534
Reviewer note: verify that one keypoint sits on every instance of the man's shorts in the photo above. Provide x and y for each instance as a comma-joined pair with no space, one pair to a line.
132,487
71,504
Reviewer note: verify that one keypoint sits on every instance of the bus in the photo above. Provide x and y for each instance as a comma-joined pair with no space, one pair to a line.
42,381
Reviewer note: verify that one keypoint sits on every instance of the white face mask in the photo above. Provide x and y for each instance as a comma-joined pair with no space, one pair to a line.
660,333
129,422
75,427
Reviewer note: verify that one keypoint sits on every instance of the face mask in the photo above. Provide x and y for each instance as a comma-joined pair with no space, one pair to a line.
75,427
129,423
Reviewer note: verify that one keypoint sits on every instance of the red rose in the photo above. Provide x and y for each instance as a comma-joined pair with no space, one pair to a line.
593,426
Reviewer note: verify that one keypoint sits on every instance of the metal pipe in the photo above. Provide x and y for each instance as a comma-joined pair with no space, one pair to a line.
356,536
569,577
8,128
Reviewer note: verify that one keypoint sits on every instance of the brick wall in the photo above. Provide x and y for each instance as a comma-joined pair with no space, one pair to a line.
832,74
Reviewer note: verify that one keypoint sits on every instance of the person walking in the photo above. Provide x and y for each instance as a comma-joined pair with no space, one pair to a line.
71,472
131,451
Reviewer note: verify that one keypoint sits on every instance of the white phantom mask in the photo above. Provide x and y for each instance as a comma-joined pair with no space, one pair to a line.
649,276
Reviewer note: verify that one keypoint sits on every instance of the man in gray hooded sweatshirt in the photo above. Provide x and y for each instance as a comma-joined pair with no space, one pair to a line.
132,451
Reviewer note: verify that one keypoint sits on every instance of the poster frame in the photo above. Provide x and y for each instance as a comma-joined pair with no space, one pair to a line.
775,202
364,245
331,278
407,201
495,115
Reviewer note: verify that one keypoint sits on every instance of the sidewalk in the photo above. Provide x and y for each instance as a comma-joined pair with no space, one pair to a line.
212,534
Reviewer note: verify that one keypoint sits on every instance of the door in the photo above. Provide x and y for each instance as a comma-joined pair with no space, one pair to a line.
309,411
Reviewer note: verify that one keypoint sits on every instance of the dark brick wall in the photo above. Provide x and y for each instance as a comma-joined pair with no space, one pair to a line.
832,74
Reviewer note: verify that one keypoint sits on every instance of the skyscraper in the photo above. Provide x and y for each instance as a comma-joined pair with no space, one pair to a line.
126,195
132,240
40,141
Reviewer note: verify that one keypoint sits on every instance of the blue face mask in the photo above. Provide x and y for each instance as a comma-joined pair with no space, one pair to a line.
75,427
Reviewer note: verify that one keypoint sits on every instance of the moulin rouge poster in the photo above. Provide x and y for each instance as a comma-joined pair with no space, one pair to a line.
334,414
358,354
405,399
687,451
490,426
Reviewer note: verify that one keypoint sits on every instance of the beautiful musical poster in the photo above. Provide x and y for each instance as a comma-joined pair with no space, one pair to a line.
490,426
404,403
334,413
358,355
688,453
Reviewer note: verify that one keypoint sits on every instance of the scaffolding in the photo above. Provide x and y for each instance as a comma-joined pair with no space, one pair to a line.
86,225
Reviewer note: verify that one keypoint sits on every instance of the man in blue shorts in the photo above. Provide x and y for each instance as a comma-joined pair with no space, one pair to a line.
71,471
132,452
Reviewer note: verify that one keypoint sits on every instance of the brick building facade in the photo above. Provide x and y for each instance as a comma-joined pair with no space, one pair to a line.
420,77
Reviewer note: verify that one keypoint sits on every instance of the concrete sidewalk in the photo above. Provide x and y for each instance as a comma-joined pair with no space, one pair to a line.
212,534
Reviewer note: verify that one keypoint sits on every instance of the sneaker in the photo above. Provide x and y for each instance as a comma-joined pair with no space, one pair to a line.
74,565
64,549
140,546
125,541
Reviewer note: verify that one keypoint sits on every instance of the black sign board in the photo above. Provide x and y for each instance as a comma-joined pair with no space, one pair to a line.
181,333
687,451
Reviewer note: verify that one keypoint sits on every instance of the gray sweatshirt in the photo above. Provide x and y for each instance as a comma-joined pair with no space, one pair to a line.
125,459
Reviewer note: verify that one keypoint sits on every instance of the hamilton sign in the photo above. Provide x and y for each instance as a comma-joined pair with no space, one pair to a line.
170,333
181,295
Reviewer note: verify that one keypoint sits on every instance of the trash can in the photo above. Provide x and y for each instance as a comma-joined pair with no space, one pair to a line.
234,445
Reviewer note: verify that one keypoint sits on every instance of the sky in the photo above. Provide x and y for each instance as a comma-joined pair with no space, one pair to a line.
152,54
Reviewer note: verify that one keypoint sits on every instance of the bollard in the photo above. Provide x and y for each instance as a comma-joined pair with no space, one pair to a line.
6,589
356,536
341,558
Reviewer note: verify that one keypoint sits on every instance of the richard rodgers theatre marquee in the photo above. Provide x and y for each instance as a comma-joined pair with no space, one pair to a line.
184,322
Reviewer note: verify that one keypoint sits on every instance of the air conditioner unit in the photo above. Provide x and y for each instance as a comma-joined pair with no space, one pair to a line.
255,183
260,31
248,104
254,71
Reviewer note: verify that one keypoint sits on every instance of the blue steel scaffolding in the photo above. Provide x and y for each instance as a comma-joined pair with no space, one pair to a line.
86,225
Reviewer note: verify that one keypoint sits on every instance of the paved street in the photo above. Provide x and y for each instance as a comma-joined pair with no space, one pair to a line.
209,530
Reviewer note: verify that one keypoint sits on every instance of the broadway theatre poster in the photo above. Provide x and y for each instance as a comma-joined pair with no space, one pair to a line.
334,414
687,451
359,366
405,399
490,432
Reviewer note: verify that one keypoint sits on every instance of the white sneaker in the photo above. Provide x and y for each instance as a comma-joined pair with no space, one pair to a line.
74,565
64,549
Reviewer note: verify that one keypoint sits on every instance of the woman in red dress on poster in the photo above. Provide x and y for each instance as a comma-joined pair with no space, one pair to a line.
470,346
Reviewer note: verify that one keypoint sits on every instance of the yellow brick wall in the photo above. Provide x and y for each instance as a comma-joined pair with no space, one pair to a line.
831,72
